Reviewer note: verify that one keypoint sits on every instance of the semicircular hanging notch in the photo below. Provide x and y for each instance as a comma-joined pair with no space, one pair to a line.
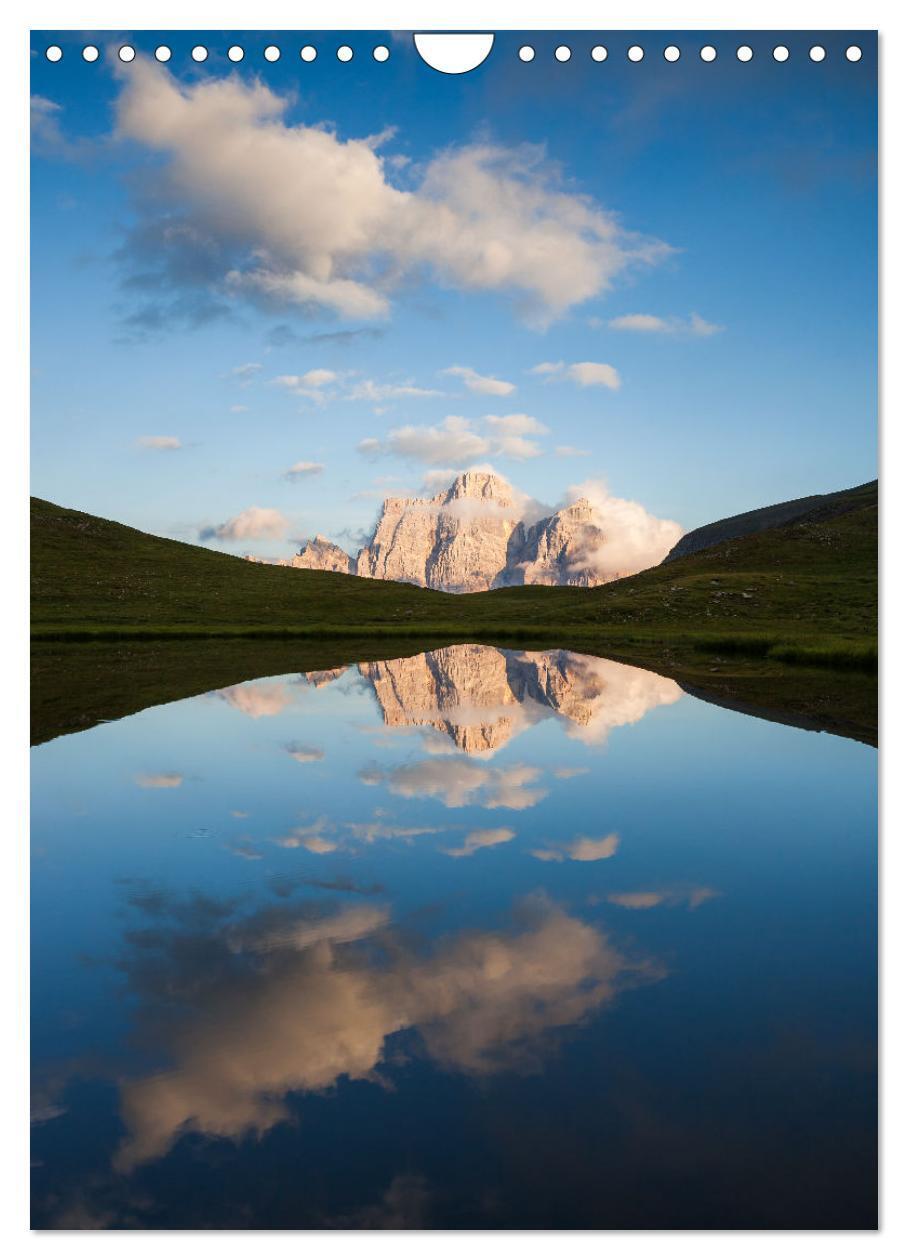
453,53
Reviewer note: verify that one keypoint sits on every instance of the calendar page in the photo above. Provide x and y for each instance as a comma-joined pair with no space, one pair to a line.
454,648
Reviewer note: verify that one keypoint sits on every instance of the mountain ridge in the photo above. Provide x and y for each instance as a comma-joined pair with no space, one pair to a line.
470,537
813,506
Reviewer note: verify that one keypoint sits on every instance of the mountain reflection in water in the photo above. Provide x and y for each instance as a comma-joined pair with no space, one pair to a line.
481,697
471,938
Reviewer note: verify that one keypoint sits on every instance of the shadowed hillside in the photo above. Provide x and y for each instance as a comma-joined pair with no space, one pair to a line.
815,506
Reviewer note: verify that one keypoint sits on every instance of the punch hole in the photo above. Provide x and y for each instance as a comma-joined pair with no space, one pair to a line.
599,53
672,53
308,53
90,53
54,53
745,53
526,53
853,53
162,53
345,53
708,53
562,53
127,53
381,53
235,53
635,53
818,53
780,52
200,53
272,53
453,54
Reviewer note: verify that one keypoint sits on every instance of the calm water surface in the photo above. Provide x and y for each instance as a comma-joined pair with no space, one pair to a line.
472,939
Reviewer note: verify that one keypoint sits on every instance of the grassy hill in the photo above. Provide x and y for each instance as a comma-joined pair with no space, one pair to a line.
817,506
809,585
773,623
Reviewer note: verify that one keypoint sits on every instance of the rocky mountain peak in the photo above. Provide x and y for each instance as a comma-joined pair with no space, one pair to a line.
479,485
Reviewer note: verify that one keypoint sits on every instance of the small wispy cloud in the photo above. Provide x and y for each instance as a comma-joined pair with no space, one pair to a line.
458,442
311,384
674,325
254,522
584,374
323,385
158,781
303,468
159,442
245,372
377,391
305,753
483,838
565,452
479,384
583,849
649,899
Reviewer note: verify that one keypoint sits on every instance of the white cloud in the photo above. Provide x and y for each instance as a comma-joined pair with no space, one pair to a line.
455,440
584,374
314,386
309,385
458,782
257,699
329,1001
374,391
565,452
245,372
305,753
583,849
509,435
484,838
254,522
324,224
372,831
452,441
159,443
634,538
694,326
303,468
480,384
159,780
310,836
649,900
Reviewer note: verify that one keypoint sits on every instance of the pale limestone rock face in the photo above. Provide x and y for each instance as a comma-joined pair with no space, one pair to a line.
320,553
402,542
477,517
456,541
481,697
462,691
557,549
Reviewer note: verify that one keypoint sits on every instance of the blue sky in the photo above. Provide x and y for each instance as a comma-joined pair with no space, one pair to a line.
187,225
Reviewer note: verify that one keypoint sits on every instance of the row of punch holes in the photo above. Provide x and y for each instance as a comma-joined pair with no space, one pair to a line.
526,53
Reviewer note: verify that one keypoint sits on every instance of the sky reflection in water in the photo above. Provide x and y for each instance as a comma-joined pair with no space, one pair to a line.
473,938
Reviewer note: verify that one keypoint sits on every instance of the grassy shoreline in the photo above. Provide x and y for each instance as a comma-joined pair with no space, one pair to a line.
834,652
